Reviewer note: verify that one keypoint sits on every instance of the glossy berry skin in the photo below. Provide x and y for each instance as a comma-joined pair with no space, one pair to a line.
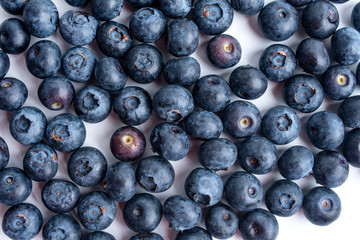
181,212
281,125
221,221
78,64
113,39
204,187
144,63
257,155
78,27
293,167
355,16
173,103
277,62
132,105
41,18
248,82
120,181
278,21
43,59
183,71
22,221
105,10
351,149
4,64
98,235
155,174
213,16
243,191
61,226
303,92
60,196
15,38
320,19
247,7
140,3
27,125
175,9
127,144
15,186
96,211
241,119
169,141
4,154
13,94
87,167
193,233
40,162
321,206
142,213
15,7
212,93
349,111
147,24
92,104
325,130
338,82
147,236
223,51
283,198
203,125
77,3
345,46
109,74
331,169
217,154
258,224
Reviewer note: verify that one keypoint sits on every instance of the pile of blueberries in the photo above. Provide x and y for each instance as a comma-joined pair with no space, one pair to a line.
202,115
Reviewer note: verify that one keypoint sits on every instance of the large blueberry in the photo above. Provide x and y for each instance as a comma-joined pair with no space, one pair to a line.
106,10
345,46
203,125
221,221
182,71
223,51
14,38
98,235
4,64
349,111
351,147
193,233
338,82
15,7
140,3
13,94
175,8
77,3
109,74
4,154
247,7
61,227
355,16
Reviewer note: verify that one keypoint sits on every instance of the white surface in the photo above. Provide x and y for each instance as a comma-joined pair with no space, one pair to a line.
98,135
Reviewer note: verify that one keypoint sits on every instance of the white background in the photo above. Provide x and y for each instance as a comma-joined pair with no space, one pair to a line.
245,29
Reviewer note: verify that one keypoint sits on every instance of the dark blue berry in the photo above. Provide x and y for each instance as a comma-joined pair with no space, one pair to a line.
109,74
4,64
351,147
193,233
223,51
61,227
338,82
106,10
345,46
4,154
247,7
175,8
203,125
221,221
14,37
15,7
13,94
98,235
349,111
182,71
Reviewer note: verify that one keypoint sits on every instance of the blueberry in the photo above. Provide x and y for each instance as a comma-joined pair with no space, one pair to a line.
27,125
339,1
61,227
106,10
40,162
43,59
4,154
183,71
355,16
173,103
109,74
299,3
65,132
15,7
96,211
22,221
92,104
247,7
358,74
217,154
78,64
283,198
193,233
296,162
213,16
351,147
303,92
87,167
223,51
4,64
277,62
127,144
281,125
41,18
175,9
169,141
221,221
13,94
77,3
212,93
140,3
155,174
15,186
338,82
203,125
78,27
241,119
120,181
147,236
98,235
325,130
113,39
320,19
60,196
243,191
278,20
345,46
259,224
147,24
181,212
14,38
257,155
144,63
321,206
349,111
132,105
142,213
